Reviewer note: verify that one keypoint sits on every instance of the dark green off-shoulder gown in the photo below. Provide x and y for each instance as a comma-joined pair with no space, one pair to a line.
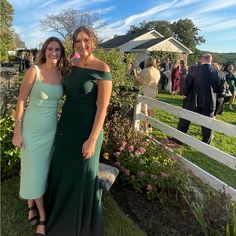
73,197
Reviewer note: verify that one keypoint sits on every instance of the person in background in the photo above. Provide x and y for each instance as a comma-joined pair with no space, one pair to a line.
201,88
175,78
223,87
164,67
231,81
149,78
73,197
27,60
183,70
31,58
35,126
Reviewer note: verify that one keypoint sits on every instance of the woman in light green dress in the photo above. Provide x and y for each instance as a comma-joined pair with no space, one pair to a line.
35,126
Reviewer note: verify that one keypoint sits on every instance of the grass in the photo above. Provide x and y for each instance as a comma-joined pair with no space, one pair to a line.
14,214
220,141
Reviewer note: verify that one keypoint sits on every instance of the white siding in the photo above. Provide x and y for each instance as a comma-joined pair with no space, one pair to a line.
167,46
141,56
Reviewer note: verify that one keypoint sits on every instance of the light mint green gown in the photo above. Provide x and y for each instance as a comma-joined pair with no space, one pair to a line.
38,131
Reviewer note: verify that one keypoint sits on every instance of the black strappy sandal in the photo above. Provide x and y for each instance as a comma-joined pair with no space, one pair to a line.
41,222
33,220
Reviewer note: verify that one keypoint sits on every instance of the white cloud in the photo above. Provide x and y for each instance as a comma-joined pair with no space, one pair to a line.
216,5
47,3
184,3
220,26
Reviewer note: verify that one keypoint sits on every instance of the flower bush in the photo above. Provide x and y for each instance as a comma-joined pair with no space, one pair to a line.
148,169
10,162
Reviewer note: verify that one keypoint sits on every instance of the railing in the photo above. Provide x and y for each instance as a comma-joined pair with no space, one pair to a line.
210,151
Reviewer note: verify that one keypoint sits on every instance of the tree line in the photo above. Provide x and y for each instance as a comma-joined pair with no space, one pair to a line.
65,22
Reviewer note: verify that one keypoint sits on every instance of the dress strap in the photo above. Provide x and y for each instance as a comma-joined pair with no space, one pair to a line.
37,76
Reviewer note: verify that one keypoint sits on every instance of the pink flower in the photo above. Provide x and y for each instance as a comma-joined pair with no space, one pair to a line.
127,172
141,173
154,177
145,144
132,177
117,163
130,148
121,148
116,154
164,175
142,150
149,187
137,153
123,144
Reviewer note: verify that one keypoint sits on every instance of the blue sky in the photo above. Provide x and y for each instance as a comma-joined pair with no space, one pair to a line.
215,18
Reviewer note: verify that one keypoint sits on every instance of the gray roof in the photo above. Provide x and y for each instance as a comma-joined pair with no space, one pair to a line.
120,40
150,43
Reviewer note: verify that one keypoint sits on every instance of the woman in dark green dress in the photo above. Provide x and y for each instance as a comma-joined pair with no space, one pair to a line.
73,198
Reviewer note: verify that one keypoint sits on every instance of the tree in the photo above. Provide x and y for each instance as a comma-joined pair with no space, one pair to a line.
6,32
187,33
18,41
183,30
65,22
162,26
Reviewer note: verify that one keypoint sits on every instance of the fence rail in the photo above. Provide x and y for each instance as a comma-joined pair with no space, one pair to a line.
210,151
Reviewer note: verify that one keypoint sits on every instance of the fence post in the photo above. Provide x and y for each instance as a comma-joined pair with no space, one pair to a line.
137,114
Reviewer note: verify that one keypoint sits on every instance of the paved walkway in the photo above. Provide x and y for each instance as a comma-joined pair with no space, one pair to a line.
9,83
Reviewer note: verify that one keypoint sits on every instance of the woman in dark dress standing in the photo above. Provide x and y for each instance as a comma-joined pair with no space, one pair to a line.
73,198
175,78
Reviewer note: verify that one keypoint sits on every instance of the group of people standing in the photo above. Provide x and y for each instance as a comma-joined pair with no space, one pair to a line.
205,87
204,92
26,59
59,162
173,75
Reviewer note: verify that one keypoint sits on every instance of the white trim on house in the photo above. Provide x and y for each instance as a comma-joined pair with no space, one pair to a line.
141,39
152,48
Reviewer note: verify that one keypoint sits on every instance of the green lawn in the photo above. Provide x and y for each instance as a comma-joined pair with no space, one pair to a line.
14,214
221,141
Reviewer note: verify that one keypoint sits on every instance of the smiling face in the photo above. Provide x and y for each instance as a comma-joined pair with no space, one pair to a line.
53,52
84,44
230,68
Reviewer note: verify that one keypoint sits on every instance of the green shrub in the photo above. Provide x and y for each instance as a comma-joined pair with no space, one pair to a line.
123,97
10,162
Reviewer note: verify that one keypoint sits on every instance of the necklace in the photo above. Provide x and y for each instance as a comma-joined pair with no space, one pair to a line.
50,67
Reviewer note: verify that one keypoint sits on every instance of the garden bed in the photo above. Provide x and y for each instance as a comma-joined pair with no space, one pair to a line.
152,217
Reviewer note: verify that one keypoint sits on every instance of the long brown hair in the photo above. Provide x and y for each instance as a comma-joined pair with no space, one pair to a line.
88,31
62,63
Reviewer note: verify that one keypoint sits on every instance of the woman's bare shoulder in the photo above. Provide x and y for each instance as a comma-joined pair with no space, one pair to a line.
102,66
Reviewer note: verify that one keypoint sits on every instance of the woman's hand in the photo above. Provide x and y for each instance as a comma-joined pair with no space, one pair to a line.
58,116
88,148
18,140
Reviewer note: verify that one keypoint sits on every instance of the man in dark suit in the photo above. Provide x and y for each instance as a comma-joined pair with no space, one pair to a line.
202,85
165,66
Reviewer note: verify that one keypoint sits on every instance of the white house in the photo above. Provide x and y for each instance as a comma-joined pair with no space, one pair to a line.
144,42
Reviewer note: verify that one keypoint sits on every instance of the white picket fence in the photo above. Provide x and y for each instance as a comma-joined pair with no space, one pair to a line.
210,151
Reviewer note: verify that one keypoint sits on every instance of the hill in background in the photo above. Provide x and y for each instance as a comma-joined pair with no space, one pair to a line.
224,58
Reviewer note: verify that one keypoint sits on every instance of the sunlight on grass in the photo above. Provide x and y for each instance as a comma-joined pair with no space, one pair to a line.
14,214
220,141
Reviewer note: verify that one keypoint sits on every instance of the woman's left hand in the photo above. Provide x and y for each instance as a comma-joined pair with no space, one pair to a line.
88,148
